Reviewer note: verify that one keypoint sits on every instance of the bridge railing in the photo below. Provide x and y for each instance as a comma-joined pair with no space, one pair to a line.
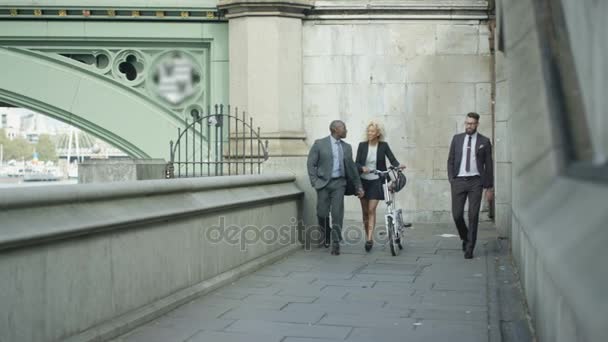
217,144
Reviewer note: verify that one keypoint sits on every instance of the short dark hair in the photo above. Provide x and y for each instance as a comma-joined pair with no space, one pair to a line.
473,115
334,124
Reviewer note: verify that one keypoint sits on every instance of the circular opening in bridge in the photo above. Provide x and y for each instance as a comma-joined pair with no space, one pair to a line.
129,70
136,64
102,61
196,78
131,67
195,114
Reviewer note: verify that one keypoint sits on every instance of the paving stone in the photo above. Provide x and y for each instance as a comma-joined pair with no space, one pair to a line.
153,333
316,291
401,259
401,299
314,276
273,315
403,290
387,334
289,329
340,307
387,272
201,312
215,336
240,292
193,323
251,299
273,273
427,293
282,281
391,285
452,331
473,285
449,315
447,298
233,303
385,277
230,294
305,339
344,283
366,320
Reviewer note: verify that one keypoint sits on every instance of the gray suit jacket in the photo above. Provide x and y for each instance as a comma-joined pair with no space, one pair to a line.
320,164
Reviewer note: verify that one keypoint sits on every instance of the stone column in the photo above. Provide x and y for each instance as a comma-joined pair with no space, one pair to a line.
265,43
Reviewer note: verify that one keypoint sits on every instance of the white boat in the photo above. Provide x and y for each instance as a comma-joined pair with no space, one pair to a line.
42,175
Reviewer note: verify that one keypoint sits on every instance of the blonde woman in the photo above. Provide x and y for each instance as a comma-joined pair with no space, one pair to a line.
371,155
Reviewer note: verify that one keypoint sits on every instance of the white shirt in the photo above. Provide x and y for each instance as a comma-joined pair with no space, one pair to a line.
370,162
463,163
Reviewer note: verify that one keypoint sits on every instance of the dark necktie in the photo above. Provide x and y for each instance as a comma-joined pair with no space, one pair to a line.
468,164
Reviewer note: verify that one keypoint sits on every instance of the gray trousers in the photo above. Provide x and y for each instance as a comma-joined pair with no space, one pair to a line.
330,199
464,188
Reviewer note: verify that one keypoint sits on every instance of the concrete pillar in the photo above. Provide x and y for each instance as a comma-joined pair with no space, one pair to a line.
265,43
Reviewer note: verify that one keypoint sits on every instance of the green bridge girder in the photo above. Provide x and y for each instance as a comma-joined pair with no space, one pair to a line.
77,71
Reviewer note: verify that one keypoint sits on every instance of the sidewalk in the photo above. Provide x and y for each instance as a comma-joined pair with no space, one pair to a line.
427,293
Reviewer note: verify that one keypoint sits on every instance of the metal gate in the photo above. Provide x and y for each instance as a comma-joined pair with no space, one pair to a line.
216,144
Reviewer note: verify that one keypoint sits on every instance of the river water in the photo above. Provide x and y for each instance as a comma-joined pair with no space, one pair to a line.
17,182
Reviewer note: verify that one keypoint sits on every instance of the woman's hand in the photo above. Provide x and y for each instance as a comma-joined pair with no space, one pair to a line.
365,169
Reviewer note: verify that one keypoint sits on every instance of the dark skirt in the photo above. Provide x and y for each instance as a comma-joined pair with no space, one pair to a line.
373,189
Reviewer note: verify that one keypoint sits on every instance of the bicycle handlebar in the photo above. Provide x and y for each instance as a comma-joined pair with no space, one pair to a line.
390,168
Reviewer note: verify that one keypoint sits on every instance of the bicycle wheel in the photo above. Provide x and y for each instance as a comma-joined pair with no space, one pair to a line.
391,237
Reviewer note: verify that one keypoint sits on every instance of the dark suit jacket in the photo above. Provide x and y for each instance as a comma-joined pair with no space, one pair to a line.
483,154
320,164
383,152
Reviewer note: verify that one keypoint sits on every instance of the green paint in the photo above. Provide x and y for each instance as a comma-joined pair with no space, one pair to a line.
50,67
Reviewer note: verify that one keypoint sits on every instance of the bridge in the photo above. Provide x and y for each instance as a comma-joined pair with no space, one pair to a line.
236,258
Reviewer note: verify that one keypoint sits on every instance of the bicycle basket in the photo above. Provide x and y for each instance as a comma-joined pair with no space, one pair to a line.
398,181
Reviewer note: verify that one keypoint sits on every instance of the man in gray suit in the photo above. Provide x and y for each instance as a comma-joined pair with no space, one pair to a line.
470,170
330,164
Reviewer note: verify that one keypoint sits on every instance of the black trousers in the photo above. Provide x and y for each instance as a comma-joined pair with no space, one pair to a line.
463,189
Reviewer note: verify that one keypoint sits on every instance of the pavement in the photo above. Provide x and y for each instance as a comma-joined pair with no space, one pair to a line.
429,292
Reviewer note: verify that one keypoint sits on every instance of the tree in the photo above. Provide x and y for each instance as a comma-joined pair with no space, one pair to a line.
46,148
18,148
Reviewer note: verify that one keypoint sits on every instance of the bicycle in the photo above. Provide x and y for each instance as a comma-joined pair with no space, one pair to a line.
393,218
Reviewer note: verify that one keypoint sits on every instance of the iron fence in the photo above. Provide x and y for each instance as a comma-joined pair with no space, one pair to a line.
216,144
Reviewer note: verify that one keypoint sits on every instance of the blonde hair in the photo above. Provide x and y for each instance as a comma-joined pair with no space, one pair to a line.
379,128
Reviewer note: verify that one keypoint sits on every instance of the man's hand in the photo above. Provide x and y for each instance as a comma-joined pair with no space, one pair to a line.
365,169
360,193
402,167
490,194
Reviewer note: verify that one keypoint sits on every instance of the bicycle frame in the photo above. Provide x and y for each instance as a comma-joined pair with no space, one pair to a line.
393,217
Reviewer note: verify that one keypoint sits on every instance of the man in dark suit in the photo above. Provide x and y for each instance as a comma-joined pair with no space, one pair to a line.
470,170
330,164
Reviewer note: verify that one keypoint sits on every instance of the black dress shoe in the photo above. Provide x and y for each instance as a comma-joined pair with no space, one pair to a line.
368,245
468,254
335,250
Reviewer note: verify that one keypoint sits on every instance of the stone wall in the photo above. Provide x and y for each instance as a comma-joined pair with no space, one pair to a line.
90,262
558,233
417,77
